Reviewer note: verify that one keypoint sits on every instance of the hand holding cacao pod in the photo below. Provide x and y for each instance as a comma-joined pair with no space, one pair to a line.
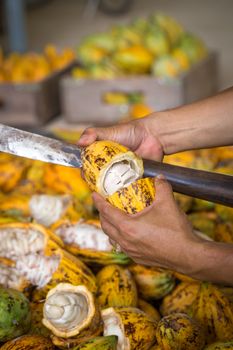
139,136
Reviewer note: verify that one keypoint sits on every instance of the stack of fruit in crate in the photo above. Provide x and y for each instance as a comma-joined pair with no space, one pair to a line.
158,46
33,67
63,285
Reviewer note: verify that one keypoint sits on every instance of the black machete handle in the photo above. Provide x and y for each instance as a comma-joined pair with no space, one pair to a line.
213,187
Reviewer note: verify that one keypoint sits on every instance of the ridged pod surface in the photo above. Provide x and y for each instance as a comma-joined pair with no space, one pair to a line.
135,330
220,346
29,342
224,232
15,314
180,299
135,197
92,257
225,213
184,202
12,171
184,278
152,283
214,312
99,157
65,180
15,205
228,291
116,287
202,205
99,343
179,332
204,222
32,182
70,270
37,327
149,309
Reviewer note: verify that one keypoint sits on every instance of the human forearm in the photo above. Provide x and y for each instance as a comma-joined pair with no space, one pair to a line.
207,123
212,261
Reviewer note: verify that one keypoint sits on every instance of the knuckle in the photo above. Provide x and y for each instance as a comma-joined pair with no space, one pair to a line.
124,226
104,209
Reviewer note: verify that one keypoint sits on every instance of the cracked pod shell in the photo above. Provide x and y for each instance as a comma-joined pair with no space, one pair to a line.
91,245
68,310
135,197
100,156
70,270
136,330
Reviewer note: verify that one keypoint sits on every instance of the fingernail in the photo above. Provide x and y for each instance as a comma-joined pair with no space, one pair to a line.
160,177
93,195
83,138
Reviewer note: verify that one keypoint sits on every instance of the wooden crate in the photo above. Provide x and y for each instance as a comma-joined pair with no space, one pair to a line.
82,100
31,103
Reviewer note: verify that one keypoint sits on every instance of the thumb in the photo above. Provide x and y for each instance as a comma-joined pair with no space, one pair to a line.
163,189
92,134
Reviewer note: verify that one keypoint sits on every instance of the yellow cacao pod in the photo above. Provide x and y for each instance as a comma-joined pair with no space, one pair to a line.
65,180
69,309
135,197
116,287
224,232
29,342
135,330
37,327
103,162
179,331
21,239
69,269
149,309
116,173
86,240
180,299
214,312
220,346
152,283
11,172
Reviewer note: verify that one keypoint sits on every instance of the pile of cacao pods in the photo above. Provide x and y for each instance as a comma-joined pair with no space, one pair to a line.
63,286
157,46
31,67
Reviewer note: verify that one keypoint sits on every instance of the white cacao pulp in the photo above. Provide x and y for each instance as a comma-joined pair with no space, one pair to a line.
10,277
113,326
47,209
120,174
17,242
85,236
37,269
66,309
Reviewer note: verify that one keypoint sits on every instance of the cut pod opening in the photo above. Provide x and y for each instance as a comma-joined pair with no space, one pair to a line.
66,310
38,269
16,242
47,209
113,326
85,236
10,277
119,175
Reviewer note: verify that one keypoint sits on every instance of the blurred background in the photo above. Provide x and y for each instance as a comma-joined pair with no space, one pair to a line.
169,41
